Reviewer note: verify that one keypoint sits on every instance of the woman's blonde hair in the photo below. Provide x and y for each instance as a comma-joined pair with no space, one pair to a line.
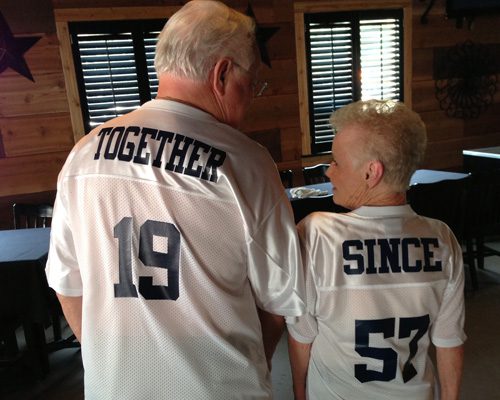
397,136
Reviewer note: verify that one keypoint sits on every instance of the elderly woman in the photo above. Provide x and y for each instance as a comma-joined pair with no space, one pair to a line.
382,282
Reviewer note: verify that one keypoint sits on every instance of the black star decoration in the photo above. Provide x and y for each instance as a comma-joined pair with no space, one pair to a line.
262,35
12,50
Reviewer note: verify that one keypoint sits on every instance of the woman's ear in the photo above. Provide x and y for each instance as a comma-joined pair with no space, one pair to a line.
219,78
374,173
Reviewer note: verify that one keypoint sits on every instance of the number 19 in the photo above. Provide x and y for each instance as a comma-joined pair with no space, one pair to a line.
150,258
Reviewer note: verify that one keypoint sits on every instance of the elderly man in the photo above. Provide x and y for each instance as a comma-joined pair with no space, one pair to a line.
382,282
172,234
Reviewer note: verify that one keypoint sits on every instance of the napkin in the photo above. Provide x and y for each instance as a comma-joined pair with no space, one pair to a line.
302,192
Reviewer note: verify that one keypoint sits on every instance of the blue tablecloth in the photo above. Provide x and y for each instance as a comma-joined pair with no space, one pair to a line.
24,292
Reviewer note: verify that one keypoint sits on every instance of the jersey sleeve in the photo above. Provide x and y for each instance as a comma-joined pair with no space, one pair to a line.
305,328
62,270
448,330
274,266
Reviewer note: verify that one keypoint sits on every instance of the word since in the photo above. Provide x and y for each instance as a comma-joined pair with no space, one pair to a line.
393,255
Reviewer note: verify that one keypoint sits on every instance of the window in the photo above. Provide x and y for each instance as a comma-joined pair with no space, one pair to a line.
351,56
114,66
348,55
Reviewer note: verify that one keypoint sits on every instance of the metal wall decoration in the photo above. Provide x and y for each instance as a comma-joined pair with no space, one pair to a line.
12,50
423,18
263,34
466,80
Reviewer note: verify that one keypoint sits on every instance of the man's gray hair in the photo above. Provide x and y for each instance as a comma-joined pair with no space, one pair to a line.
200,33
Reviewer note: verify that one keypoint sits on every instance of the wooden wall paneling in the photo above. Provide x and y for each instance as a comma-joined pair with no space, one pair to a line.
20,96
317,6
447,136
444,33
424,97
110,13
278,5
487,123
423,64
113,3
271,112
71,85
443,157
290,144
30,174
281,77
408,55
36,134
419,6
441,127
280,45
44,56
283,11
313,160
300,48
270,139
267,12
448,154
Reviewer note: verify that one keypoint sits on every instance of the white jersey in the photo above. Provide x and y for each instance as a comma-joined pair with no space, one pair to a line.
381,283
173,226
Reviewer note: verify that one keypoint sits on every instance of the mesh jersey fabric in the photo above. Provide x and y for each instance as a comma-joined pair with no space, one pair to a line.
173,227
381,284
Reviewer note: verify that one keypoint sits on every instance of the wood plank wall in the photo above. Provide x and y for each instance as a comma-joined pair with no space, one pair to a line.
448,136
35,125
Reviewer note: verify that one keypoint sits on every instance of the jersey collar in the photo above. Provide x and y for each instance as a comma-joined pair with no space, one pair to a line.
385,211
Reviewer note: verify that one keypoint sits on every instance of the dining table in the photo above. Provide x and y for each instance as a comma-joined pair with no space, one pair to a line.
485,158
319,196
419,176
24,292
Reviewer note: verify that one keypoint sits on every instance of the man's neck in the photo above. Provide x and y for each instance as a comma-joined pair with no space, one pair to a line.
186,91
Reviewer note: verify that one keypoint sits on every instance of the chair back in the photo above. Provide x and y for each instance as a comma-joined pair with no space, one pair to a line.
443,200
287,178
32,215
315,174
483,204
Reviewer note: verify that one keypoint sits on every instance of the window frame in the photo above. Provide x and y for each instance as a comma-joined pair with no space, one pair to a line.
139,31
325,6
64,17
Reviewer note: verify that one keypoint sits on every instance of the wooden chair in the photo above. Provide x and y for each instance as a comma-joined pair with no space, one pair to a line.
9,349
24,216
27,215
40,216
287,178
32,215
315,174
447,201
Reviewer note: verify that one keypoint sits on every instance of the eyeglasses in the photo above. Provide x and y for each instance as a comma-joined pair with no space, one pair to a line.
258,86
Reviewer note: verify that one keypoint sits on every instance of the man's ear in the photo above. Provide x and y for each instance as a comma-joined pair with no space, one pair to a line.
374,173
220,73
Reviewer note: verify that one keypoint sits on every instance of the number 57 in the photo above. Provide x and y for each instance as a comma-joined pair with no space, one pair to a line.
387,355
